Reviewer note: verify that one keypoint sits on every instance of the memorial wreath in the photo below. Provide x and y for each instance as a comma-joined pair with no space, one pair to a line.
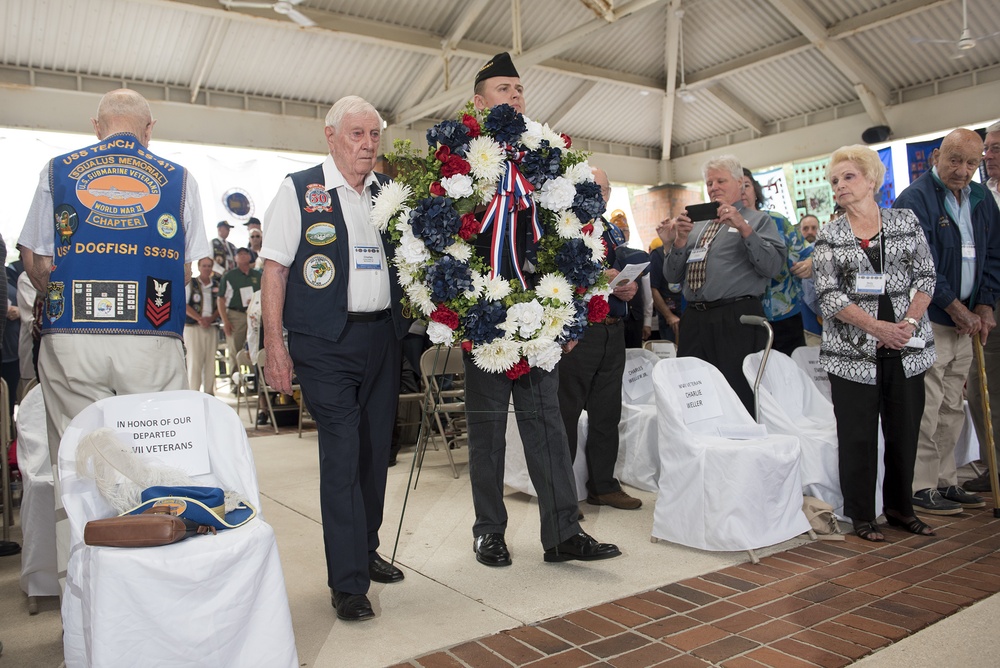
500,160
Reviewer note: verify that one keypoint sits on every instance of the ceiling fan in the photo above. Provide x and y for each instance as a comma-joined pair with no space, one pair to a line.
283,7
683,92
965,40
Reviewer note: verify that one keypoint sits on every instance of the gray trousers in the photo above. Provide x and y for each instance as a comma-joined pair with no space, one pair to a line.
546,451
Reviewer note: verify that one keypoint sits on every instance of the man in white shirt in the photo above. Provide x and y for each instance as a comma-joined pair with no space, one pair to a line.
329,280
201,336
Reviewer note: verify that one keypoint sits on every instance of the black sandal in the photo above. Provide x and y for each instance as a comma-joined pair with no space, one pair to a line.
913,526
867,531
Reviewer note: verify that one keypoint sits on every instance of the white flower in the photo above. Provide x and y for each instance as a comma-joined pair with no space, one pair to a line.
412,249
598,227
477,285
532,136
497,356
486,157
554,138
557,194
387,204
555,320
457,186
494,289
543,353
579,173
460,250
554,286
568,225
485,190
420,298
524,319
438,332
593,242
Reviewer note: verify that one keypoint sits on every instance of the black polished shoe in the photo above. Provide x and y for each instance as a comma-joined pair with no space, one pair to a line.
582,547
380,570
491,550
263,418
352,607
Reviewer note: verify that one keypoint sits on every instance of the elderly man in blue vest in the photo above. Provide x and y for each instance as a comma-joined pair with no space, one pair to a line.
112,230
328,279
962,226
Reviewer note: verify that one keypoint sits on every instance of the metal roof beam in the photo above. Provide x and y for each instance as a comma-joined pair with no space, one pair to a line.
671,42
839,54
528,59
746,114
423,81
570,102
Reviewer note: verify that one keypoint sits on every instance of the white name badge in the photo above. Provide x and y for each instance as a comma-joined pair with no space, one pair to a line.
367,257
697,255
968,251
870,284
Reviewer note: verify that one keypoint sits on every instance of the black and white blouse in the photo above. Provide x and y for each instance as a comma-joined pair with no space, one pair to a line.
848,351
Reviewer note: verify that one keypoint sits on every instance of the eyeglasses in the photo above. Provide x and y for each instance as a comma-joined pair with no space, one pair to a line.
992,148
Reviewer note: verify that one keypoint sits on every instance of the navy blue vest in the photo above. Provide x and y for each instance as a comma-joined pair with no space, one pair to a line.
316,292
194,301
119,258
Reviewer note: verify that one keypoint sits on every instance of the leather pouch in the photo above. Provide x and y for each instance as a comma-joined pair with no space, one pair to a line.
146,530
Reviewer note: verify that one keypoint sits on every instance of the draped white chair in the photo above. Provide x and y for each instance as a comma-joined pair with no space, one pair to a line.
723,484
638,462
791,403
38,511
206,601
807,357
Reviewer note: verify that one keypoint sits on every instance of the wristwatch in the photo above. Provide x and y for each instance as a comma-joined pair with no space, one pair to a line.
912,321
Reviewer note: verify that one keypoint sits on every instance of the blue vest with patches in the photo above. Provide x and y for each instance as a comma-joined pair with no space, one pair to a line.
316,291
119,241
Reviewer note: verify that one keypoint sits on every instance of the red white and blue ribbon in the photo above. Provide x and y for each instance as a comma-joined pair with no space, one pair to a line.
513,195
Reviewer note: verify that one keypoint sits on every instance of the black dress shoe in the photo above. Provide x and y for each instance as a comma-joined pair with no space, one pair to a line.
582,547
263,418
491,550
352,607
380,570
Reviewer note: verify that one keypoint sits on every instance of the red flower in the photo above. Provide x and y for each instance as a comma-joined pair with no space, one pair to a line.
467,346
569,142
518,369
470,227
580,290
437,189
455,165
597,309
604,244
865,243
473,125
443,153
588,228
445,316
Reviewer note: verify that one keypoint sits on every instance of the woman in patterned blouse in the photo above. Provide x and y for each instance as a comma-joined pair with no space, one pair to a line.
874,278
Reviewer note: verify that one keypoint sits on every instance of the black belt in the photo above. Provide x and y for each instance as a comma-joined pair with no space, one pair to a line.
704,306
368,316
238,310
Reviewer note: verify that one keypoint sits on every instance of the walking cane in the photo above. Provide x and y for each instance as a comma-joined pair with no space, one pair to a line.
991,456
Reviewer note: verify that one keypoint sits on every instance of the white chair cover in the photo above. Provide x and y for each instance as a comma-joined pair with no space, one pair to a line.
718,493
515,472
38,505
638,462
807,357
207,601
790,403
967,449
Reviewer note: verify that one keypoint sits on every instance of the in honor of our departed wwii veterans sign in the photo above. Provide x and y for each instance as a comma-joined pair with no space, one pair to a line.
172,432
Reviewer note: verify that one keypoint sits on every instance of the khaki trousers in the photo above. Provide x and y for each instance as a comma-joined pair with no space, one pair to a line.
943,416
236,340
201,343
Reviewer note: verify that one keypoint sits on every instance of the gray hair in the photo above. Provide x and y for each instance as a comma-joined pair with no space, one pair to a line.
993,128
726,163
124,109
352,105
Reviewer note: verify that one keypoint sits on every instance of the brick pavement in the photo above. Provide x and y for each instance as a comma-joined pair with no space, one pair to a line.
822,604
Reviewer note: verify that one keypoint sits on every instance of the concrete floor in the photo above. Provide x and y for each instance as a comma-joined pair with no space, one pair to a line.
447,596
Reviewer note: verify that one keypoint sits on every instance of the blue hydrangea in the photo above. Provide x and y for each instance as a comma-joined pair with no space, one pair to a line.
452,134
435,222
577,326
505,124
540,165
589,202
482,321
574,262
448,278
